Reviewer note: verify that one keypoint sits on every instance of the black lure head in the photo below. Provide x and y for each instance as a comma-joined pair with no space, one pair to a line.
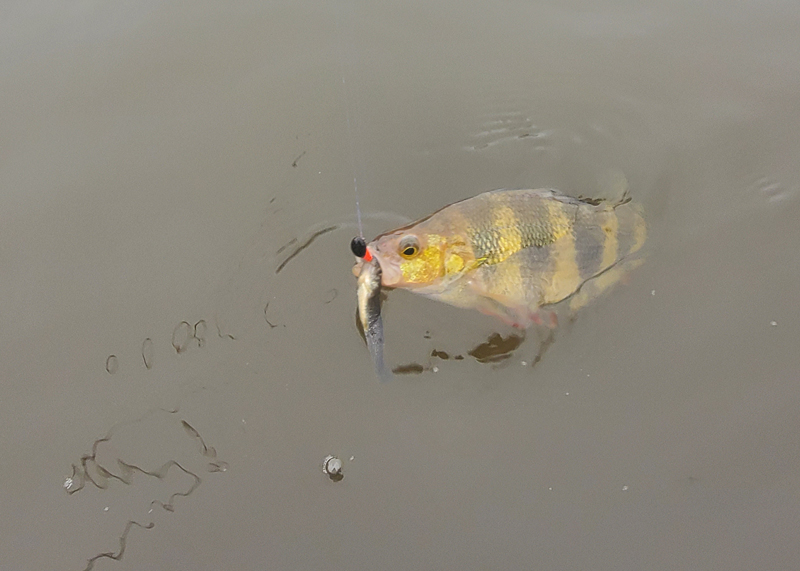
358,246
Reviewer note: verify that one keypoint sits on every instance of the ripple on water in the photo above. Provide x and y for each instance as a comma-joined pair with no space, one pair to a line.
112,364
772,190
147,353
507,127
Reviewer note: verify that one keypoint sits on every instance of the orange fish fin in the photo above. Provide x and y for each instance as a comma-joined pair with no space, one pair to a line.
510,311
546,317
508,315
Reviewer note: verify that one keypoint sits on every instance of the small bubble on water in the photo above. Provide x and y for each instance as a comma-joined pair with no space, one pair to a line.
112,364
773,323
68,483
523,363
332,466
624,488
435,369
105,509
566,394
652,292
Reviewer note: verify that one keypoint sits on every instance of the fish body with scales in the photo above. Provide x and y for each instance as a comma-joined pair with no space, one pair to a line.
508,253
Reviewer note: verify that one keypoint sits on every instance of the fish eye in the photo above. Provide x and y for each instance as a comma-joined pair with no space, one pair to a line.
409,247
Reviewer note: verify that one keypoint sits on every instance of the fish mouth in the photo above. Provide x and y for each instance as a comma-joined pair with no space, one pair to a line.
390,273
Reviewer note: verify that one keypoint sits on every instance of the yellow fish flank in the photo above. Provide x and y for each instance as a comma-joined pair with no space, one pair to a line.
507,253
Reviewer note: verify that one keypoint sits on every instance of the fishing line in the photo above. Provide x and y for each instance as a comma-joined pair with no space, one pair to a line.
352,132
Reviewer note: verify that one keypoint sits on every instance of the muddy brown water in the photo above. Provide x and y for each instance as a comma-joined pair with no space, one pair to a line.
161,160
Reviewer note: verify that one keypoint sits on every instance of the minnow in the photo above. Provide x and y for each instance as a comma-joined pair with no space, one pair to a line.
369,313
510,253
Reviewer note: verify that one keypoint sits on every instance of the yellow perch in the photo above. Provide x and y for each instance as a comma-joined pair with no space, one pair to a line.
507,253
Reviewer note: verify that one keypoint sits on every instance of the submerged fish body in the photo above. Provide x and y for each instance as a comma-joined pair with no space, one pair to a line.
507,253
369,313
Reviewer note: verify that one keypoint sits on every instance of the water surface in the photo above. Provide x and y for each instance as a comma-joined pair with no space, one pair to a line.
162,161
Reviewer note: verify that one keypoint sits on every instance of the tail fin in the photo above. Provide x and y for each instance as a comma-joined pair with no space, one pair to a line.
632,228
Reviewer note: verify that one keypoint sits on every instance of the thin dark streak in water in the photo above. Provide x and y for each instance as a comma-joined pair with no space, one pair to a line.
81,474
305,245
271,325
220,334
208,451
199,332
192,431
184,333
147,353
88,464
286,245
112,364
123,541
543,346
294,163
161,473
81,471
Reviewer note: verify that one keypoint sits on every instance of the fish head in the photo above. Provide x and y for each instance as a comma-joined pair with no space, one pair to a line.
412,258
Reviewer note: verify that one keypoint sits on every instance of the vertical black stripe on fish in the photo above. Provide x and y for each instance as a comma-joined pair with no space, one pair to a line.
563,277
589,242
535,263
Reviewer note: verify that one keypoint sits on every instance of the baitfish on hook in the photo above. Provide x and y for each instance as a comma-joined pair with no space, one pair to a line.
369,312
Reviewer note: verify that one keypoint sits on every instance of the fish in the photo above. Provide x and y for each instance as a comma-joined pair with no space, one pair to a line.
512,254
369,313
